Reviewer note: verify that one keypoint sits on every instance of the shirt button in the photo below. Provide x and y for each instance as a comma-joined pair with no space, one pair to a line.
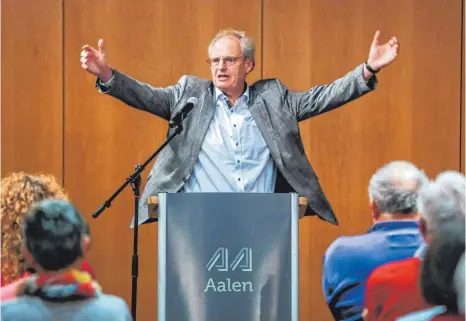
237,161
237,144
234,125
239,179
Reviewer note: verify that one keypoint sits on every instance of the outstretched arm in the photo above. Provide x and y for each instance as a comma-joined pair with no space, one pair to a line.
158,101
323,98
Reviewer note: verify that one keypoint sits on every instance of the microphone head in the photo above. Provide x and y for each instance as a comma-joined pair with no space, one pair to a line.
191,103
192,100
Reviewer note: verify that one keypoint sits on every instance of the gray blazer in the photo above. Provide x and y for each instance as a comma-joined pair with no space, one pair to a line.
276,111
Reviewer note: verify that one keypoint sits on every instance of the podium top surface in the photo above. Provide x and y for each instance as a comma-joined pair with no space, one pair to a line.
153,206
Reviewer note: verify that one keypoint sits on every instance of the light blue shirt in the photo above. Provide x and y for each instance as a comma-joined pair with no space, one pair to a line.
424,315
421,251
234,156
103,307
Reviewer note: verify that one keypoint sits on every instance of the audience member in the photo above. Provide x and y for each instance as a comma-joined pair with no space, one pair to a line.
19,191
394,235
440,271
393,289
54,239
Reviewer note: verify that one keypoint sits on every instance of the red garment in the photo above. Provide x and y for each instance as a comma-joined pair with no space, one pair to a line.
86,267
56,286
8,291
393,290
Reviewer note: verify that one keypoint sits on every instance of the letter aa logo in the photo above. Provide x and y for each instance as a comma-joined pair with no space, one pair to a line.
220,260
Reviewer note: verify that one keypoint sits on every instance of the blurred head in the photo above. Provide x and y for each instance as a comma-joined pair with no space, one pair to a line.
231,58
54,235
19,191
440,264
393,191
441,201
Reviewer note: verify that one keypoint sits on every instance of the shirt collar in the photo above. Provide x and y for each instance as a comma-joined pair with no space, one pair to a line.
394,225
421,251
219,94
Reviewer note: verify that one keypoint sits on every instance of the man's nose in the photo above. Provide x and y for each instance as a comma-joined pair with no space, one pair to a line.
222,65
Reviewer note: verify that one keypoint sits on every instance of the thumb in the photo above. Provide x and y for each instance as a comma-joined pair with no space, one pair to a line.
375,42
101,45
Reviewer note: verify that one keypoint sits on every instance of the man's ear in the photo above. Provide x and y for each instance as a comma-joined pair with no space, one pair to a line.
86,244
423,228
375,211
250,64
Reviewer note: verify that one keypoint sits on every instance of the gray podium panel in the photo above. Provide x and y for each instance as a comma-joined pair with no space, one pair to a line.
228,257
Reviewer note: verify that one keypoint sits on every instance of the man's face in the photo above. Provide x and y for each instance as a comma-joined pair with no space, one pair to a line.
228,67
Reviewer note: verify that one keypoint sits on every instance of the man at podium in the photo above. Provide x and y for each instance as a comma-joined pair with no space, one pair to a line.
240,137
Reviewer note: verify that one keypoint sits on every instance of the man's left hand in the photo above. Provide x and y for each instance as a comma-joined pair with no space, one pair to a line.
381,55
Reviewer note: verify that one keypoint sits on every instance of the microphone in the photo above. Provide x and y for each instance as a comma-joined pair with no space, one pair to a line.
183,112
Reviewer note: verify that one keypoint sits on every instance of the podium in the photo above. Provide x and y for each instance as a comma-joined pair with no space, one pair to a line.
227,256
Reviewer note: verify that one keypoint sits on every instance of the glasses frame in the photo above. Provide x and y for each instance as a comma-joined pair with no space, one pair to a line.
222,58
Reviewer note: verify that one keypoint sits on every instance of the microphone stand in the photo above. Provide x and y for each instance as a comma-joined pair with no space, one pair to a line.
135,181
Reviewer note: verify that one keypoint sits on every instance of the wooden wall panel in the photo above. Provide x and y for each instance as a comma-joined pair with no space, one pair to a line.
413,114
437,117
32,87
463,88
153,41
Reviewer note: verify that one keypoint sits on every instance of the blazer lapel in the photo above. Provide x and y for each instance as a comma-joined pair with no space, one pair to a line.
206,113
262,118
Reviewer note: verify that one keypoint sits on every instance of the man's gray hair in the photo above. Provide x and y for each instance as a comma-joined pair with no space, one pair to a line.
443,200
247,44
394,187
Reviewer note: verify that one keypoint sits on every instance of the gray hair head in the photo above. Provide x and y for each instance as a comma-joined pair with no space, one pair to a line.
247,44
394,187
443,200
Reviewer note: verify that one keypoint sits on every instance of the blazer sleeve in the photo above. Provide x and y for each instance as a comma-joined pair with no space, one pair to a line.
142,96
323,98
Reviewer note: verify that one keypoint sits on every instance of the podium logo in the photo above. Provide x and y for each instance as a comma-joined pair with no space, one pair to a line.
220,260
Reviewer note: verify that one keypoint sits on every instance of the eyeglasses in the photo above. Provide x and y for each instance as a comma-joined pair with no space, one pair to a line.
228,61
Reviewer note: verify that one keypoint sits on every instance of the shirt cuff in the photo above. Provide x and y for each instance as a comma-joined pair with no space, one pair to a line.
371,83
104,87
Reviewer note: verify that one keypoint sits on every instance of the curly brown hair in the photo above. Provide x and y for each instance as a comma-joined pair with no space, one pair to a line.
19,192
